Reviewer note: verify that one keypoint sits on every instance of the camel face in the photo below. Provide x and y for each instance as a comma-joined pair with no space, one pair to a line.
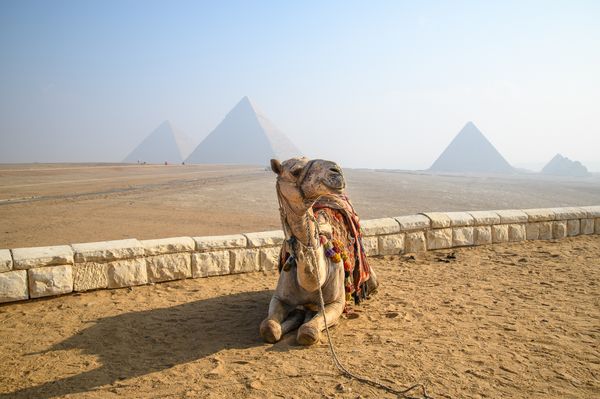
302,180
321,178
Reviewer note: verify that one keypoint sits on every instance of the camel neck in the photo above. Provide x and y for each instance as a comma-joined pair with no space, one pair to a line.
303,227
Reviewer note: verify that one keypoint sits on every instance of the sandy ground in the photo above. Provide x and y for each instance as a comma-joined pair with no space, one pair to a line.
503,321
59,204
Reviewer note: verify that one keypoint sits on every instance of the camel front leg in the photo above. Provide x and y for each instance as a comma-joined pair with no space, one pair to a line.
310,332
270,328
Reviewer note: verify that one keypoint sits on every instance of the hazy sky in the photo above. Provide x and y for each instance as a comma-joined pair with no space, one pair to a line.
369,84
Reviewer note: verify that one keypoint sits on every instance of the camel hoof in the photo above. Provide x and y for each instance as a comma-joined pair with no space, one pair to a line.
308,335
270,331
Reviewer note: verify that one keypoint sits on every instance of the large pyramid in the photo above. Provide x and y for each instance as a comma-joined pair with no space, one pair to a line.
165,144
245,136
471,152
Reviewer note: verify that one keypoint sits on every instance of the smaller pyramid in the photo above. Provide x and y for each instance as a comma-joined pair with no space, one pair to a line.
165,144
563,166
471,152
245,136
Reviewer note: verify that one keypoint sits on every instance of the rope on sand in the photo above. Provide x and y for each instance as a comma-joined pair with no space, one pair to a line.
401,393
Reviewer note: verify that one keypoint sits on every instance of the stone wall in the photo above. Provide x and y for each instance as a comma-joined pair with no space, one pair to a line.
27,273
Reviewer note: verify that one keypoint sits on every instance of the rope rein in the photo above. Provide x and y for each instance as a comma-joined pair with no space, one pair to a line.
402,393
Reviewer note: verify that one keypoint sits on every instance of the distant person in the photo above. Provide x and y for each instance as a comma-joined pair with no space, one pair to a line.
165,163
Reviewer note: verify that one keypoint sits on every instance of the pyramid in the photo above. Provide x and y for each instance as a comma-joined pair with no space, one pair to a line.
165,144
471,152
245,136
563,166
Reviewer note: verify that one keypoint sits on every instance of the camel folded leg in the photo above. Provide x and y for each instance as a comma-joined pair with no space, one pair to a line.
310,332
271,328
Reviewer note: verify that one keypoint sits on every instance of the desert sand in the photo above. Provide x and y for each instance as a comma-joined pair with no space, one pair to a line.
500,321
60,204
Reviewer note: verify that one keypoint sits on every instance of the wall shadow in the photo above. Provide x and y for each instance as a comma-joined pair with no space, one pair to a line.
138,343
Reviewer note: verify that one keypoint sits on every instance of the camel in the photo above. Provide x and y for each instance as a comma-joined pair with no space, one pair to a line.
322,249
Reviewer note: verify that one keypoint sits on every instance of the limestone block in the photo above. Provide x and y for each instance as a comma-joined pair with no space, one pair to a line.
108,251
371,246
559,229
439,238
244,260
269,258
415,241
6,259
438,219
587,226
391,244
573,227
539,215
546,230
499,233
567,213
90,276
50,280
13,286
597,226
462,236
374,227
458,219
206,264
26,258
168,245
485,218
482,235
591,211
413,222
212,243
512,216
127,273
168,267
532,231
265,238
516,232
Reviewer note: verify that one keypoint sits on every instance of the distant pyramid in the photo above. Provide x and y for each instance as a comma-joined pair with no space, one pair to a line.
245,136
165,144
471,152
563,166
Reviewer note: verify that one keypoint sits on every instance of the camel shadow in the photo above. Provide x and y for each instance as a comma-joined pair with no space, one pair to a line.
138,343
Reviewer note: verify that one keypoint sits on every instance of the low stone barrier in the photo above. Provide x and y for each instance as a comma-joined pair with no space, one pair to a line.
27,273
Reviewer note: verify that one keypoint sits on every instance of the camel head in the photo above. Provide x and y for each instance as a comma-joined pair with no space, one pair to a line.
302,181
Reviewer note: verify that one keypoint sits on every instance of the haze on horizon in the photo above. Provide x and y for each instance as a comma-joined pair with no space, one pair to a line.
368,84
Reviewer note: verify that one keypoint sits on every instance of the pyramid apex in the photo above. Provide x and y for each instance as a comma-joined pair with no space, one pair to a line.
166,124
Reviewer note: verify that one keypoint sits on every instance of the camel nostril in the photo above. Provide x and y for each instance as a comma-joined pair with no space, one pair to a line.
336,170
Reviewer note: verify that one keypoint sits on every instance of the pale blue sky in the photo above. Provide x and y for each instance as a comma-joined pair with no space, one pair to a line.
369,84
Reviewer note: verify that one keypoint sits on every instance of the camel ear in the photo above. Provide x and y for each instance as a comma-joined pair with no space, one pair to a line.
276,166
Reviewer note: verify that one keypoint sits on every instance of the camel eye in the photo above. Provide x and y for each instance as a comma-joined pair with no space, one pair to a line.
296,172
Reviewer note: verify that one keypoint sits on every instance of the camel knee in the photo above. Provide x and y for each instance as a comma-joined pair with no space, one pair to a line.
270,331
308,334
